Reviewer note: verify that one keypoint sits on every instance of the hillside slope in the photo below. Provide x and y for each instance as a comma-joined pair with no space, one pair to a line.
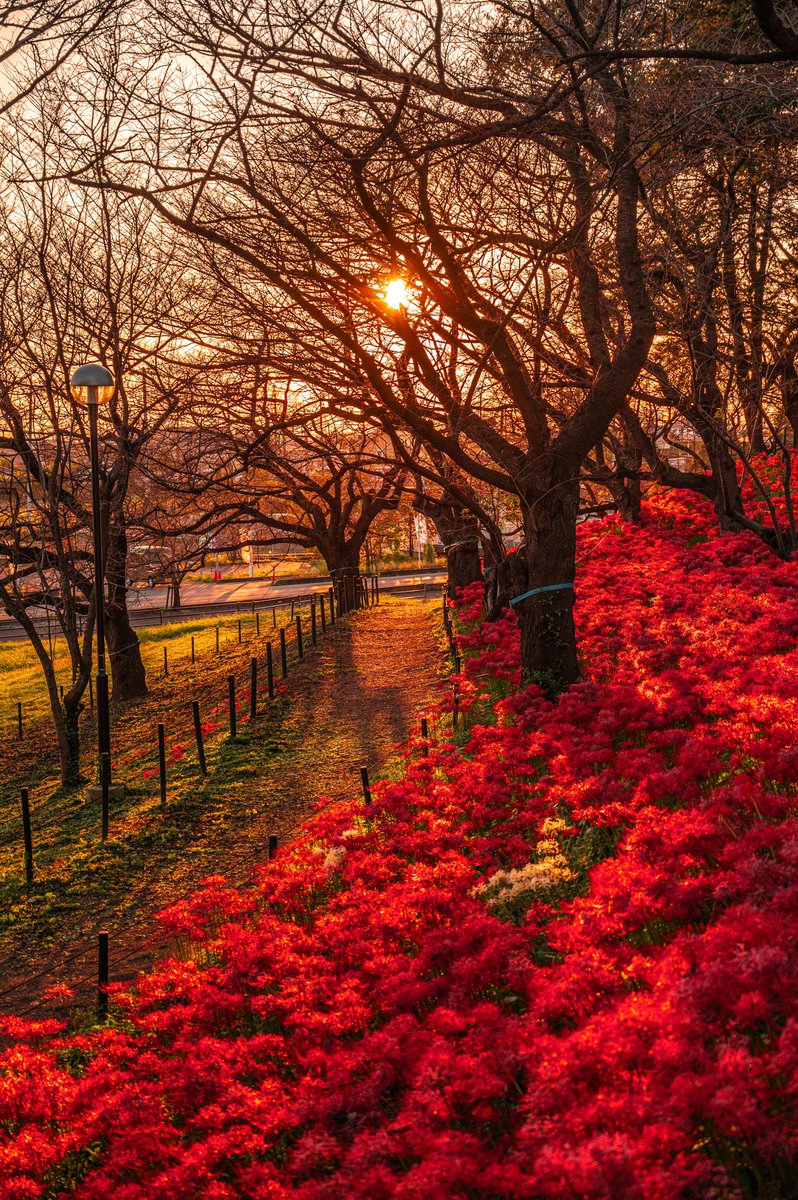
557,961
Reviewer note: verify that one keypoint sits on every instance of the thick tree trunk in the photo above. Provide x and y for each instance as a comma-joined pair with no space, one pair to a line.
627,498
546,618
343,564
788,379
754,424
458,530
625,488
128,676
463,566
545,566
459,533
727,497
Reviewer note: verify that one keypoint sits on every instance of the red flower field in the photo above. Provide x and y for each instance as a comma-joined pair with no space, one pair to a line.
560,961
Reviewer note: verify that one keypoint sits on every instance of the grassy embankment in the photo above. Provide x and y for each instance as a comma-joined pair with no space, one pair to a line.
153,852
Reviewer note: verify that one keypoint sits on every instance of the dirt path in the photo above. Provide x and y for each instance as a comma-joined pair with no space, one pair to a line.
357,694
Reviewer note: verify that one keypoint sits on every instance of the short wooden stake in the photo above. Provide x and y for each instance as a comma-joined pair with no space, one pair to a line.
231,703
27,835
364,779
283,652
257,623
102,977
274,616
270,670
198,736
253,688
162,761
425,735
300,651
272,845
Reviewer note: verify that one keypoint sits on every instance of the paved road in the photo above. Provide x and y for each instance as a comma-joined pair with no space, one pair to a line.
147,606
238,591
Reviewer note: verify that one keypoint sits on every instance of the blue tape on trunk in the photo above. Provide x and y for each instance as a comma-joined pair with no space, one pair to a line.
552,587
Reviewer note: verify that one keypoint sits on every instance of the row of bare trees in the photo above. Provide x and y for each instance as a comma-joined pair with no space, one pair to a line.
511,264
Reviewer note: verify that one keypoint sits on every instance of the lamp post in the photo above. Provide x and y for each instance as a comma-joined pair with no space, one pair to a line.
92,385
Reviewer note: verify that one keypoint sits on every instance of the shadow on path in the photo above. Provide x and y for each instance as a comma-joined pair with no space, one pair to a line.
358,694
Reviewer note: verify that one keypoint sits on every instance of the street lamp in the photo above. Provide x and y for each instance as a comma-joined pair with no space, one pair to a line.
93,385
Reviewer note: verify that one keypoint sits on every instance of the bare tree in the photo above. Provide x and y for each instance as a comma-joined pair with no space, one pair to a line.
516,231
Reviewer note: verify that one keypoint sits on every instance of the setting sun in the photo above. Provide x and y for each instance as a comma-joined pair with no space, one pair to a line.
395,294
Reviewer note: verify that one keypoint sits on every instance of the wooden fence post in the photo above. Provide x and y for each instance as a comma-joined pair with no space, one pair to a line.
102,977
364,779
231,703
299,647
198,736
162,761
270,670
27,835
283,652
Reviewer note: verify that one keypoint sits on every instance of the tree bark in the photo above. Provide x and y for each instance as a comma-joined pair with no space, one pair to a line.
545,565
546,619
69,743
128,677
343,563
788,381
459,531
624,483
726,496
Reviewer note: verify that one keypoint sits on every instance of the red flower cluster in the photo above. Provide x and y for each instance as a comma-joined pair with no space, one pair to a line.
560,962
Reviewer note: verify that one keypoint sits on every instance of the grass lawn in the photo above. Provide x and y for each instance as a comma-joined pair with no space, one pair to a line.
334,714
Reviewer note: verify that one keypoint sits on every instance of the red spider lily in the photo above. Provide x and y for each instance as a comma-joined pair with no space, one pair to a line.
384,1015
